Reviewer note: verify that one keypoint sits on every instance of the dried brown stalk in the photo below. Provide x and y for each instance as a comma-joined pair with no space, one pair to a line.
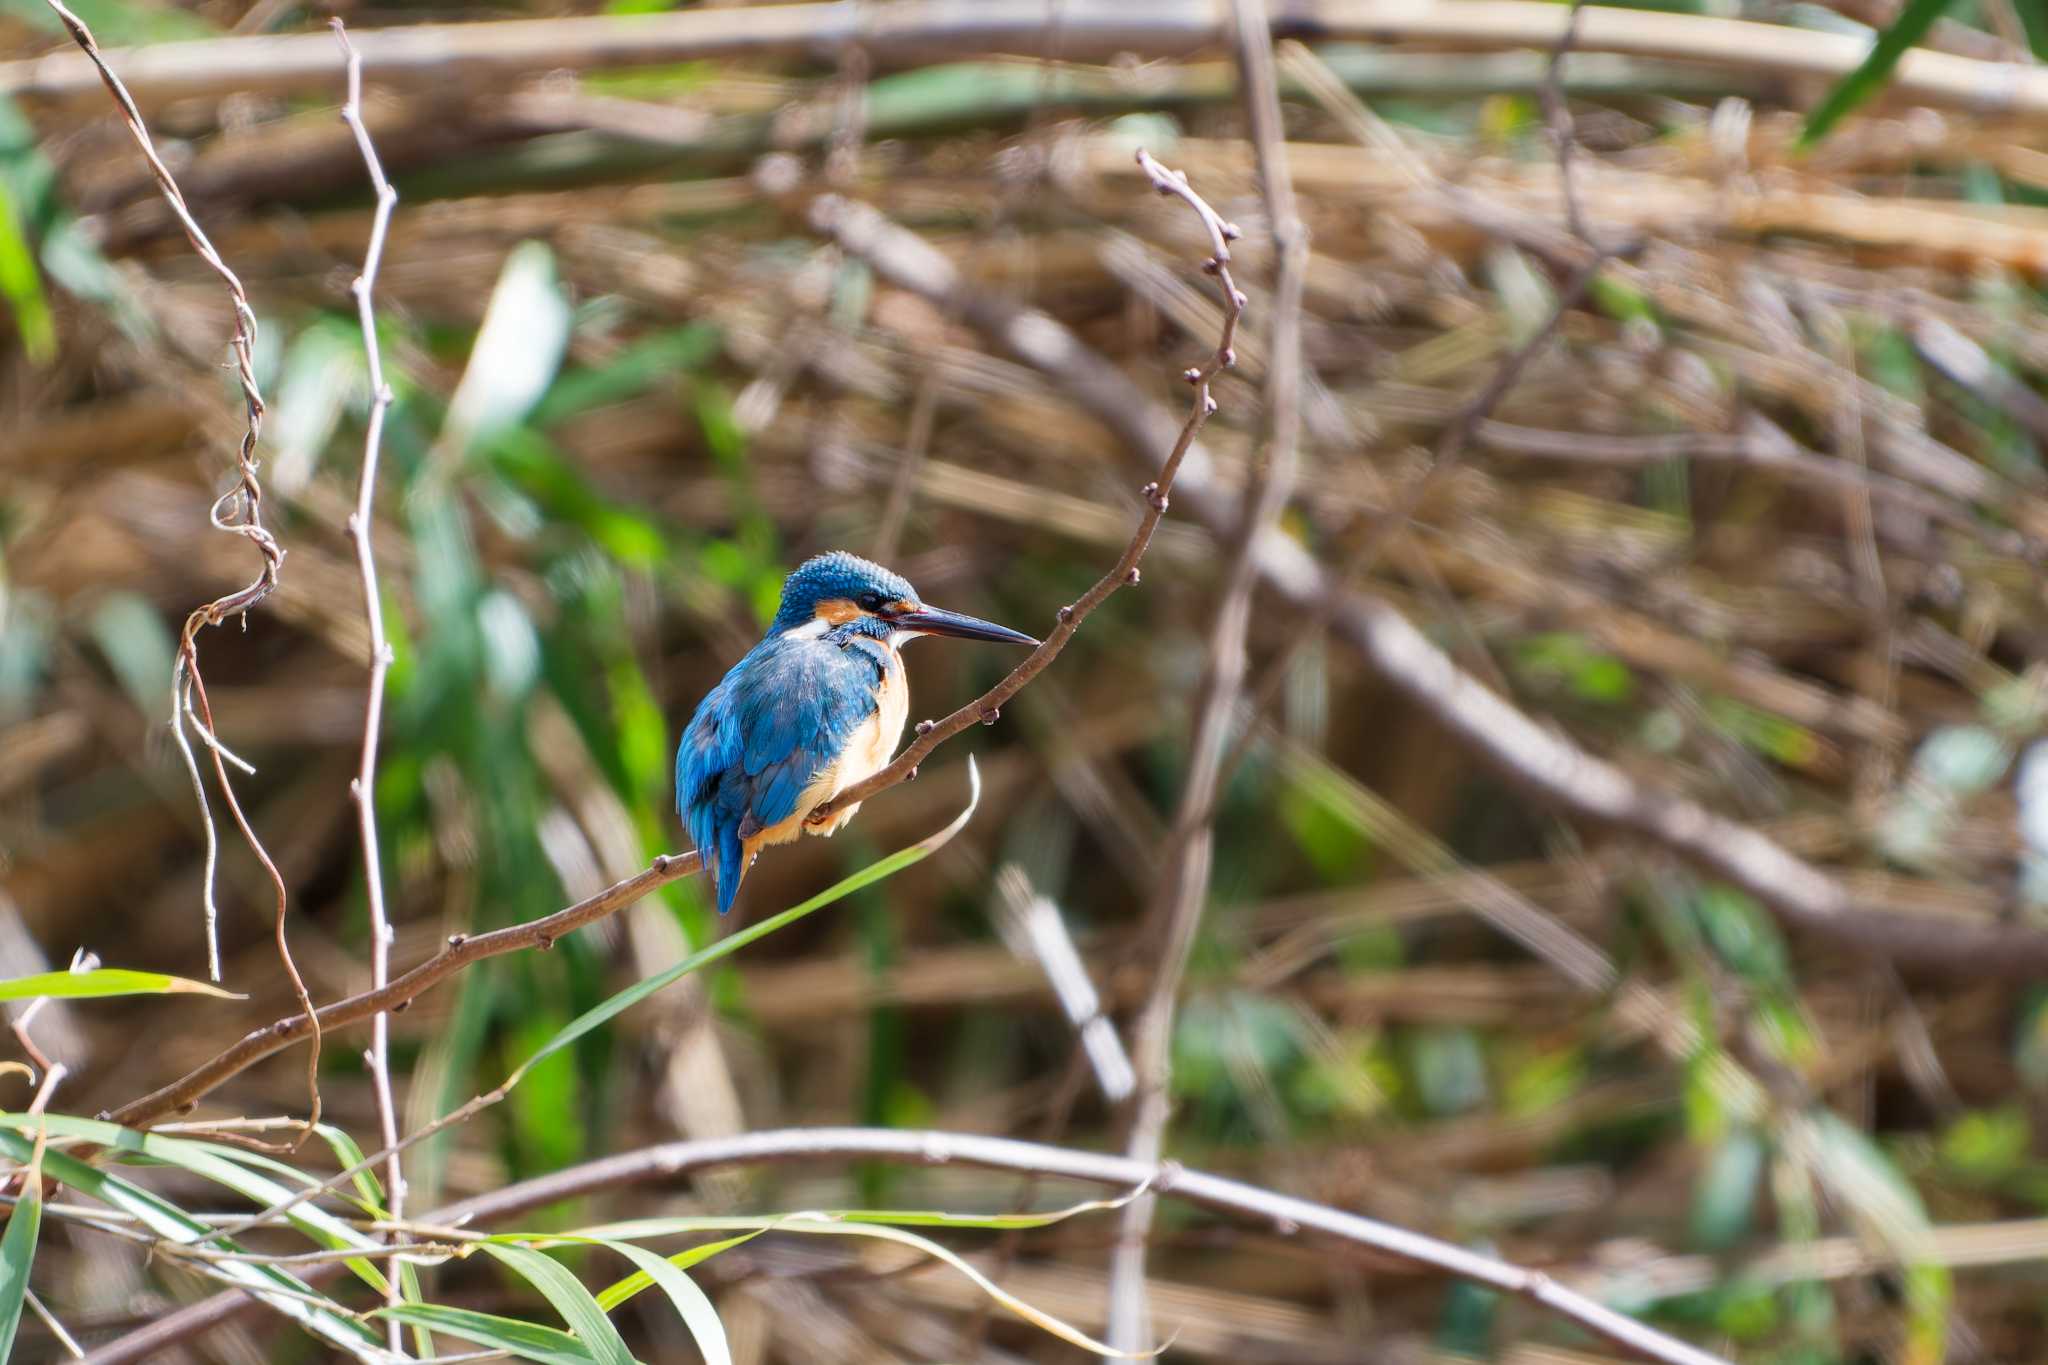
1184,892
1285,1214
363,789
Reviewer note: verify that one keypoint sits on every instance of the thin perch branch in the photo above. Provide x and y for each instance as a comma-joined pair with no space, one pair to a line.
462,950
850,223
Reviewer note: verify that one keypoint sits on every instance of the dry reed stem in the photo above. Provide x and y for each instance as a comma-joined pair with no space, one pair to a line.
437,54
1184,891
1282,1214
363,788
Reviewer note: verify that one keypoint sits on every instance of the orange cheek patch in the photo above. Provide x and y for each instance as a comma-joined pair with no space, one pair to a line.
900,606
837,611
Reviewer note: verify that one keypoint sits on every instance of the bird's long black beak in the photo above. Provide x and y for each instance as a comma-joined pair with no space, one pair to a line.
933,621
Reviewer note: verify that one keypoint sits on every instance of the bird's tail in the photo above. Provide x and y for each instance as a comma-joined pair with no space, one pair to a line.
732,865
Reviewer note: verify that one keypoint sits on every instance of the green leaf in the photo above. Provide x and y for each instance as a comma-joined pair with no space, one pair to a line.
22,286
692,1304
18,1249
169,1221
106,981
517,350
830,1225
137,647
612,1295
1725,1192
647,362
599,1015
575,1303
527,1340
1859,85
229,1167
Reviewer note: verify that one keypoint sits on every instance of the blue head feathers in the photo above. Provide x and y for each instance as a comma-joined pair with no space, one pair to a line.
817,706
839,577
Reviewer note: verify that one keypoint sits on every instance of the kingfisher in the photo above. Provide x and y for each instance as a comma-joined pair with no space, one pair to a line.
817,706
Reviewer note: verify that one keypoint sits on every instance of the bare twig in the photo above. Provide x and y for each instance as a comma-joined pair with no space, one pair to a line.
1457,437
461,950
1185,890
363,789
857,228
53,1072
1032,927
1276,1212
1558,114
57,1329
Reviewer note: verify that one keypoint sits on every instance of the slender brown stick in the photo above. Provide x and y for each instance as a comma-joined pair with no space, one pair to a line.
1284,1214
852,224
461,950
1184,892
363,789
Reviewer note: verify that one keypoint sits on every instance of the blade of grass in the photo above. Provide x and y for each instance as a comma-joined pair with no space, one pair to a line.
18,1248
225,1166
692,1304
612,1295
104,981
828,1225
1866,80
527,1340
172,1223
576,1304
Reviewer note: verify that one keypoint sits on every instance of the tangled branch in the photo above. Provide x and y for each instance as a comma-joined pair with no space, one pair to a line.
238,511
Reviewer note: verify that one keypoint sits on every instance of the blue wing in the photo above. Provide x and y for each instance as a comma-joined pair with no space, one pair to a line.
760,736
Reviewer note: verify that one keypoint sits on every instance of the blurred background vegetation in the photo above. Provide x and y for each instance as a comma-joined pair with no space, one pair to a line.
1762,524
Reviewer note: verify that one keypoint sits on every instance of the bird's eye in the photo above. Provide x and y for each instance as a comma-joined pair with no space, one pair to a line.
870,601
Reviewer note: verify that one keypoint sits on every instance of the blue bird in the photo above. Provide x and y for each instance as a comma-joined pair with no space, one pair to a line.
817,706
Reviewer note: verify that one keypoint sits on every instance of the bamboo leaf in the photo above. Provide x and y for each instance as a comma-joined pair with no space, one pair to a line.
1866,80
18,1249
172,1223
105,981
612,1295
224,1166
527,1340
692,1304
578,1307
834,1225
